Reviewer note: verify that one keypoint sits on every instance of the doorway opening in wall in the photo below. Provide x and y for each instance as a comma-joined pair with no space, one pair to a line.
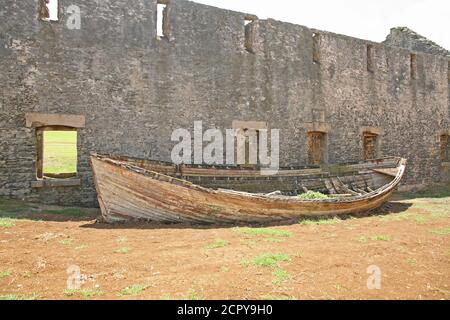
316,147
370,141
57,153
48,10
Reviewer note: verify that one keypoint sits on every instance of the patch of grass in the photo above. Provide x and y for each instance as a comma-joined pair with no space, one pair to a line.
412,261
166,296
133,290
275,298
13,207
69,212
312,195
66,242
441,232
90,293
122,250
362,239
317,222
4,274
268,260
84,293
83,246
60,151
194,296
265,232
70,292
7,222
27,274
380,237
121,239
433,192
218,243
224,269
17,297
280,276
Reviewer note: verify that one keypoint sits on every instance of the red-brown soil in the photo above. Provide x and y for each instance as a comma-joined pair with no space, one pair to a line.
409,241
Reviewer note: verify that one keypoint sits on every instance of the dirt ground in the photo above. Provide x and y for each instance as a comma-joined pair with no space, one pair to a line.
406,243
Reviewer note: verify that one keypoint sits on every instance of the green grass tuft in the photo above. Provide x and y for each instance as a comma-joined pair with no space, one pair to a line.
7,222
380,238
268,260
265,232
217,244
66,242
4,274
280,276
133,290
194,296
122,250
441,232
17,297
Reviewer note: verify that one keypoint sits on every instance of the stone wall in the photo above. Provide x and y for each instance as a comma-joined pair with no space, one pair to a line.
134,89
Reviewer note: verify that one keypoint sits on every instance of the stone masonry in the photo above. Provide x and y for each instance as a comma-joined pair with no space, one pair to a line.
133,88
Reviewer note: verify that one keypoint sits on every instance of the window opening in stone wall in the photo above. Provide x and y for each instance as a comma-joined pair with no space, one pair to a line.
413,66
56,152
369,145
316,47
162,19
445,152
370,58
48,10
249,27
316,148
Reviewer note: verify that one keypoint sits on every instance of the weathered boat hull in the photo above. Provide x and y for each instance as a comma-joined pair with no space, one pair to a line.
129,192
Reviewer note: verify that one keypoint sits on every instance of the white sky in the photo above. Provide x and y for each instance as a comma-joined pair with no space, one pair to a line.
365,19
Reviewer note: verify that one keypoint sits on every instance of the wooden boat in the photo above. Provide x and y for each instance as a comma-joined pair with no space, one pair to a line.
134,189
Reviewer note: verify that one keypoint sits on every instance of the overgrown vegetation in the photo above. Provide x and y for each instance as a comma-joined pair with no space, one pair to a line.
312,195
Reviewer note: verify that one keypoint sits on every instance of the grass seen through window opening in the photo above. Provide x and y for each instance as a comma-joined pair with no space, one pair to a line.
60,152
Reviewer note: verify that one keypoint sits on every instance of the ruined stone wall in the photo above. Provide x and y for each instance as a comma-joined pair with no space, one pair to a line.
134,89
